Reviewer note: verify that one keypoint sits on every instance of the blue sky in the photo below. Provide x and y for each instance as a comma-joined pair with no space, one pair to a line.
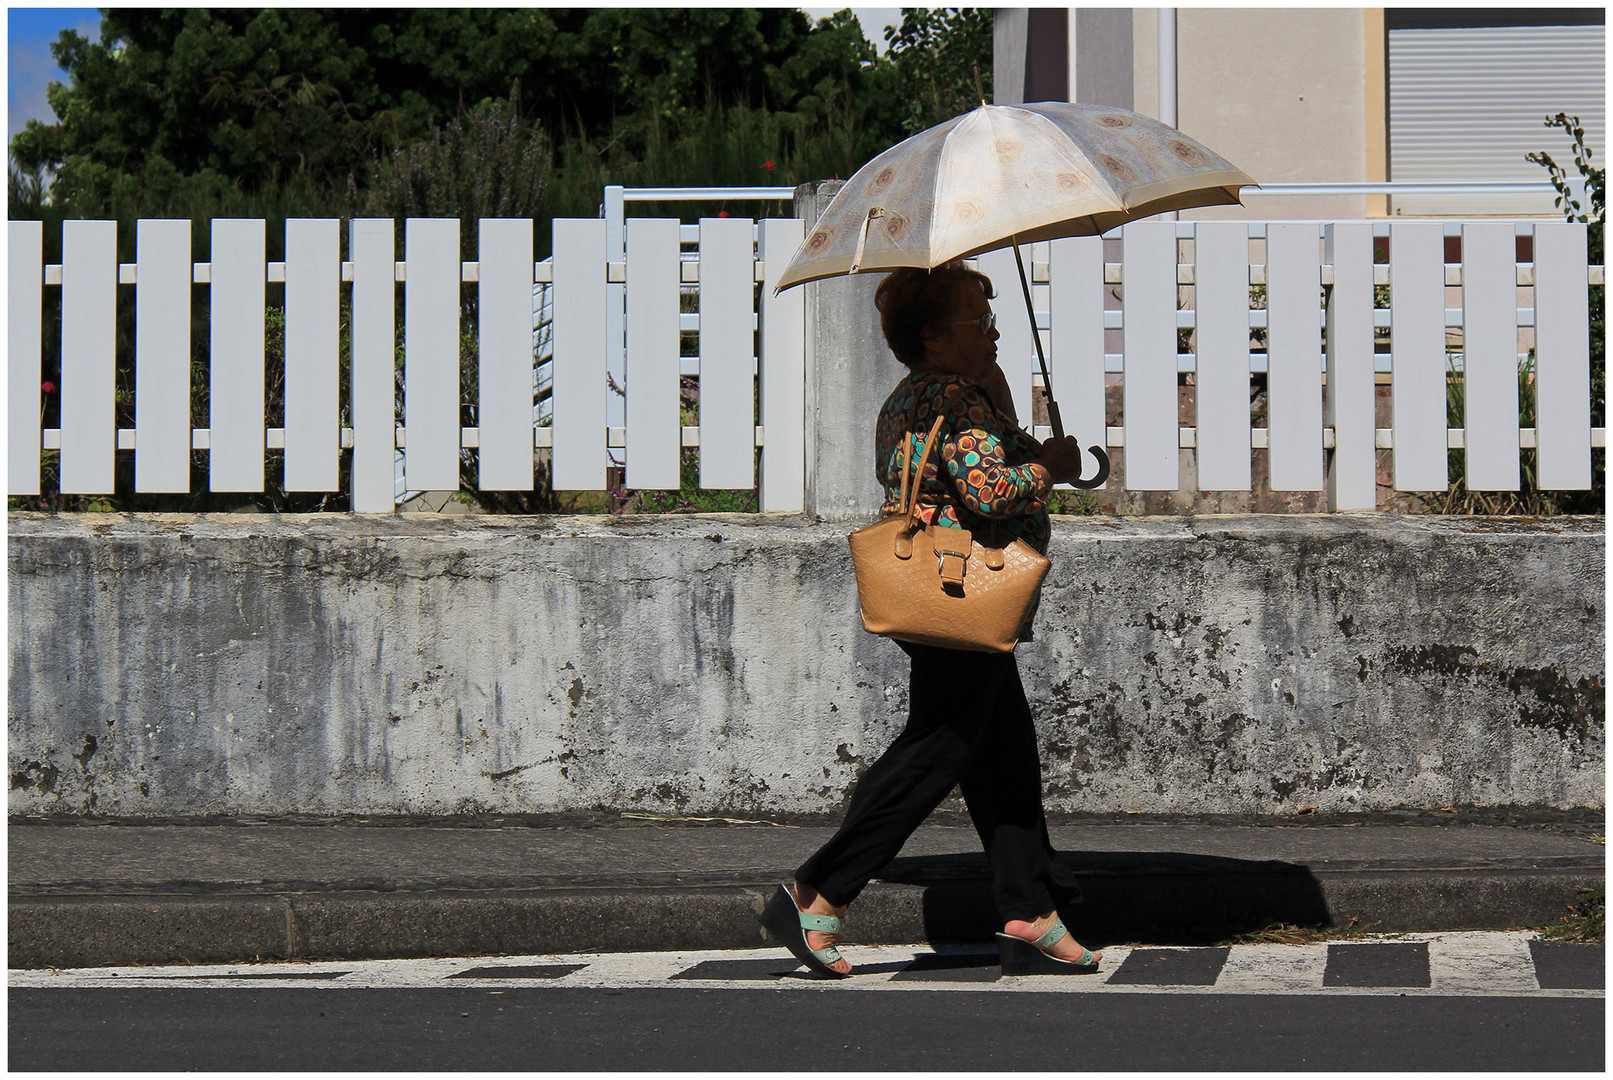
30,30
29,66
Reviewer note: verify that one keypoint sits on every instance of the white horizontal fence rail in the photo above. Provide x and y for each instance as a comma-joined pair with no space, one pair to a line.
541,335
1299,303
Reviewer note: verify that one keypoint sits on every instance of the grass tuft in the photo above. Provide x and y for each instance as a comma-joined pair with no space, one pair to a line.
1292,934
1585,923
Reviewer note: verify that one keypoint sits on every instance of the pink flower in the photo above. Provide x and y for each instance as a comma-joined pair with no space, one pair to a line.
48,387
768,165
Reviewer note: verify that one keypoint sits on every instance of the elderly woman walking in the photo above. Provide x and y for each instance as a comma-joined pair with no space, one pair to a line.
969,724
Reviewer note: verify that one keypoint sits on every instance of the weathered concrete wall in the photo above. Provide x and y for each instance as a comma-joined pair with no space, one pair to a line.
169,665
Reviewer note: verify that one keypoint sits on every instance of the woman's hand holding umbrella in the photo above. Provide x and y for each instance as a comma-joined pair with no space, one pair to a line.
1060,459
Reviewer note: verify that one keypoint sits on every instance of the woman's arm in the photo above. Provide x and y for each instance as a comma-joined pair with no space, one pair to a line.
982,479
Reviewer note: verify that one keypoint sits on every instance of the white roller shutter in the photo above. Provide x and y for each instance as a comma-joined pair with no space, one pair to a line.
1465,105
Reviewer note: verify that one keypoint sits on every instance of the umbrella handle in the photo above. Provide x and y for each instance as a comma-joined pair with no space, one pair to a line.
1053,417
1097,451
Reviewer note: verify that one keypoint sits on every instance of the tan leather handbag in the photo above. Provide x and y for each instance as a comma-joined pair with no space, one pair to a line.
935,585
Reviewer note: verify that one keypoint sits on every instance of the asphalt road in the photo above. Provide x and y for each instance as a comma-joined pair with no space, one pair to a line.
541,1028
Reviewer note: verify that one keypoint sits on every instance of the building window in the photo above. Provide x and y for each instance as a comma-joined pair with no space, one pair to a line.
1469,89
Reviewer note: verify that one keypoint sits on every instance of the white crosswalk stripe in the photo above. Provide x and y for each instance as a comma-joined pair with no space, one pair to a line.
1479,962
1472,963
1273,969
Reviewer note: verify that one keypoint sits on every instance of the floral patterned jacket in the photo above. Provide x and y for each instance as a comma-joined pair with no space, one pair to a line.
976,475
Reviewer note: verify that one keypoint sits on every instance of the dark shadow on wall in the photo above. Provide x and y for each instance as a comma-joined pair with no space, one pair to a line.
1111,897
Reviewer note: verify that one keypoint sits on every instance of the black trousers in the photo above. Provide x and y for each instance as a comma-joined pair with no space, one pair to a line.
969,725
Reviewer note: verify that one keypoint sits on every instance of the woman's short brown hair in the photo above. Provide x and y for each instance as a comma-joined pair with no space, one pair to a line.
911,301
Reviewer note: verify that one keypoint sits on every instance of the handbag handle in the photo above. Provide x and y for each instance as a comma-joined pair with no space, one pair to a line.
910,510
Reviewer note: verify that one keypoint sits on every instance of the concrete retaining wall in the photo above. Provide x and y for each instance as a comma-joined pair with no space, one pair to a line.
173,665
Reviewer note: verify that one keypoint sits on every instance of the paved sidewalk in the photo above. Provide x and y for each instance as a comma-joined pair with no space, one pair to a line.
85,894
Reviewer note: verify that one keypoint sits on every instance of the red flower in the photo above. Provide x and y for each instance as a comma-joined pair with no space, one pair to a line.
722,213
48,387
768,165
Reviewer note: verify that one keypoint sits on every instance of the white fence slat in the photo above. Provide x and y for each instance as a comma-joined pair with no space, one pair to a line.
313,377
1016,352
89,363
727,354
1221,382
374,351
235,457
1562,358
654,431
25,299
504,390
783,373
1075,271
431,354
1417,336
579,354
1294,357
1151,405
162,356
1352,476
1490,356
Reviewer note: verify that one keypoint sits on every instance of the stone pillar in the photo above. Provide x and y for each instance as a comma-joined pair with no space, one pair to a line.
1008,39
849,373
1030,55
1102,64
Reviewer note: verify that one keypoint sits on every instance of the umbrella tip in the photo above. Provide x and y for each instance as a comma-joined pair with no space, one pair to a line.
978,88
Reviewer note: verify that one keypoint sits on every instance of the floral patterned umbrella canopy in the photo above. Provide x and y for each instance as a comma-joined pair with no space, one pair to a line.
1009,174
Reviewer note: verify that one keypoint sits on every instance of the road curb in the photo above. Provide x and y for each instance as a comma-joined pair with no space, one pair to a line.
83,930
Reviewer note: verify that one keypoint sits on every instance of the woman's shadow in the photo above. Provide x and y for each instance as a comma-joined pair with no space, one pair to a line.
1163,897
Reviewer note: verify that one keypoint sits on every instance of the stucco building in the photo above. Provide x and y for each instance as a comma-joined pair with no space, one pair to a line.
1334,95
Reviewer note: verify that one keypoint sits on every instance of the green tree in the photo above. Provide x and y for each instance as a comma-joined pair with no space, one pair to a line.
489,162
196,98
173,102
929,71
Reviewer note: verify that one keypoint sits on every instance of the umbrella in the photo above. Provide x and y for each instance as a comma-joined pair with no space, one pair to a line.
1004,175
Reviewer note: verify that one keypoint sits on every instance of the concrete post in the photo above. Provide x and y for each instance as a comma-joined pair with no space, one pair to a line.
849,373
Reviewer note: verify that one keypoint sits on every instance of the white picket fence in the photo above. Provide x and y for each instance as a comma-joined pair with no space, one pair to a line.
1319,433
428,432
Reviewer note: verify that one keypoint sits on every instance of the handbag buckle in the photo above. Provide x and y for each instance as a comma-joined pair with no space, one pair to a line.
951,564
954,577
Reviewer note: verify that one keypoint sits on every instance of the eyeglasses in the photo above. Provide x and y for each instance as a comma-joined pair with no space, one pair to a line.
986,322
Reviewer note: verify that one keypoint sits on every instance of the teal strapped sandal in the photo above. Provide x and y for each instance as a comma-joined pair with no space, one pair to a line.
786,921
1021,957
